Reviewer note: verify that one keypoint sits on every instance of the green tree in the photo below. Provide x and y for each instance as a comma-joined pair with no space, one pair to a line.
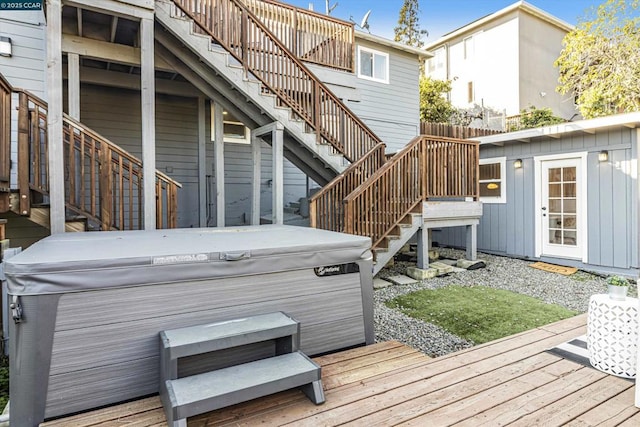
600,63
434,106
533,117
408,29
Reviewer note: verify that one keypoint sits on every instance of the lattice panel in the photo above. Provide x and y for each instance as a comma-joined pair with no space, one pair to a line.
612,335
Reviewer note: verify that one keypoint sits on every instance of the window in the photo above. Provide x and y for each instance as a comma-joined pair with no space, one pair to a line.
492,180
468,47
470,94
373,65
234,130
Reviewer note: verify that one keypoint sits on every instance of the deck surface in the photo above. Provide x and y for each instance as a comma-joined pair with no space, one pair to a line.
509,381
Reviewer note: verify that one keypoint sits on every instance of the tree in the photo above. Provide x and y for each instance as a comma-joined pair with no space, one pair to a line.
533,117
408,30
599,62
434,107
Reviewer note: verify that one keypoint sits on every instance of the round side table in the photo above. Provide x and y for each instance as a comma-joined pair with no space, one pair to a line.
612,335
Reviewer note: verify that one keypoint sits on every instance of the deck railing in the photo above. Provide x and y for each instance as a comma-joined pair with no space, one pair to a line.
102,181
325,207
311,36
233,26
427,168
5,143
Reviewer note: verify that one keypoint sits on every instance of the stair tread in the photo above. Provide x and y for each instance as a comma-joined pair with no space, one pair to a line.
223,387
200,339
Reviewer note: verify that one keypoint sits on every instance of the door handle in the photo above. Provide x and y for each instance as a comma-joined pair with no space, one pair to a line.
544,208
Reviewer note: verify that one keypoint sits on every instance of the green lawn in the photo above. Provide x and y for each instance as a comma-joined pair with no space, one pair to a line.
479,313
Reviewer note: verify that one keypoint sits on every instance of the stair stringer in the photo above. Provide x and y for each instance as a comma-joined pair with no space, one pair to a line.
383,256
220,63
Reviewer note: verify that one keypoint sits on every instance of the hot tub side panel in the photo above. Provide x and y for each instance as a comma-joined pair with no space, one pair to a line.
105,346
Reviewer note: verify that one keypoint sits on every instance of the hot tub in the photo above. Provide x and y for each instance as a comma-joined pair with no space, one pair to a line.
89,306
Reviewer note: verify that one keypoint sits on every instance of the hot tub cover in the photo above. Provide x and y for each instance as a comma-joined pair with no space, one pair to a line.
61,263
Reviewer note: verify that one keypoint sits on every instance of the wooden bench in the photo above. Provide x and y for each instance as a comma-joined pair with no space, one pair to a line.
196,394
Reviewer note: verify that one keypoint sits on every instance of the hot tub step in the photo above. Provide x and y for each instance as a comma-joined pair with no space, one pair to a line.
200,339
217,389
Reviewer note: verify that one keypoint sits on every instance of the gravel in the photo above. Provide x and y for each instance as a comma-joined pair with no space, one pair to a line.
511,274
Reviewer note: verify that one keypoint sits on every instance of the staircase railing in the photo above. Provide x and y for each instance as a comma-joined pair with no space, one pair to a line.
325,207
5,143
426,168
311,36
102,181
232,25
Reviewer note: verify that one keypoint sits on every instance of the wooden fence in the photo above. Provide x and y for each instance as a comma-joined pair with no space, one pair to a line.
454,131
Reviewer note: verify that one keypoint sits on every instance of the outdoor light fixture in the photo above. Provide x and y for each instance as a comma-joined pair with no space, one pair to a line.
603,156
517,164
5,46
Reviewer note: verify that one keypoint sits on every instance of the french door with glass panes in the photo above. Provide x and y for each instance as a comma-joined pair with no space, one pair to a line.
562,219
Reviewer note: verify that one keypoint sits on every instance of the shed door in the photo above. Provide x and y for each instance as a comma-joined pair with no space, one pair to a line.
562,218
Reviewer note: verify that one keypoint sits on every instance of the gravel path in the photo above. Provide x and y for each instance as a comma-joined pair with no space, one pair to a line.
515,275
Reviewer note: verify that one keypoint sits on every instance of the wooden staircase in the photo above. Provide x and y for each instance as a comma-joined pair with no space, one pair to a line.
368,194
103,183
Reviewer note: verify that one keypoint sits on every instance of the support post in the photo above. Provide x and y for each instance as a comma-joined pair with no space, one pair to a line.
54,116
73,81
218,151
424,246
256,157
472,242
278,174
148,92
202,167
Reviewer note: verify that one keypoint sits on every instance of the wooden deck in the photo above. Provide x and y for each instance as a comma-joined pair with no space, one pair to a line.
509,381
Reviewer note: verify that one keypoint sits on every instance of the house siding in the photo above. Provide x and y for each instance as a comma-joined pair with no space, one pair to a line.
392,110
115,114
612,217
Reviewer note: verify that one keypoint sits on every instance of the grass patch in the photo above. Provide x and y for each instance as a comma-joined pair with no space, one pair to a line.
479,314
4,381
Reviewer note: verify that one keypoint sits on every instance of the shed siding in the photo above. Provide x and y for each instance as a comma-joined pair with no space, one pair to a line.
509,228
25,69
115,114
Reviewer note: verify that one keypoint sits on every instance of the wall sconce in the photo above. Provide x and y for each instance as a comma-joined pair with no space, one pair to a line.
517,164
603,156
5,46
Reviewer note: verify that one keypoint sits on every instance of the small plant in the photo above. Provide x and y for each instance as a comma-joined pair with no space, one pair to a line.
617,281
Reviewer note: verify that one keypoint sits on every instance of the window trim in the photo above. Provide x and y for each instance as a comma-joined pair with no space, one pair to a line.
247,132
374,52
503,181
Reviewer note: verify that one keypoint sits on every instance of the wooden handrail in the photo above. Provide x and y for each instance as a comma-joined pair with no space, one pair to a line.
5,140
103,182
311,36
233,26
325,207
426,168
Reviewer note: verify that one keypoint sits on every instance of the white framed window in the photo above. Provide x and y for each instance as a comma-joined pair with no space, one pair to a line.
493,187
234,130
373,65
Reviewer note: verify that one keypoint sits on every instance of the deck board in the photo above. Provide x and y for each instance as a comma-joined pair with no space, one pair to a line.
508,381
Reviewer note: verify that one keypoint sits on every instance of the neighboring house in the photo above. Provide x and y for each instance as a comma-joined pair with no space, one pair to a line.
504,61
565,194
248,105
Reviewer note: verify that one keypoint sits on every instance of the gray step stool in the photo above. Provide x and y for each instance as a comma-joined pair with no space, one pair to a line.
197,394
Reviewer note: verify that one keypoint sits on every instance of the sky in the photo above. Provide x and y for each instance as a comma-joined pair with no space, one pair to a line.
439,17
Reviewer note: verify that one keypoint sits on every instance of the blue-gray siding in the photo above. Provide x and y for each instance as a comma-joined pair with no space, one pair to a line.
612,217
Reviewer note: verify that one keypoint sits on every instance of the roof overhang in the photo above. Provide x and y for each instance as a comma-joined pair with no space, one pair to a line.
421,53
629,120
520,5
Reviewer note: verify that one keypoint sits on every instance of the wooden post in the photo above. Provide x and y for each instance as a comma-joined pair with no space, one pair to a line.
106,183
54,116
218,152
202,164
424,246
278,174
256,156
316,111
73,83
23,154
148,91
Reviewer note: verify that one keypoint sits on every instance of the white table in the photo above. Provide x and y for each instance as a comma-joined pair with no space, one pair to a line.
612,335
